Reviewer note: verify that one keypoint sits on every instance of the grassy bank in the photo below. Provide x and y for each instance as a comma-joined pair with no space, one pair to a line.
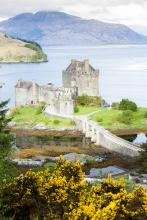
84,110
111,119
14,50
29,116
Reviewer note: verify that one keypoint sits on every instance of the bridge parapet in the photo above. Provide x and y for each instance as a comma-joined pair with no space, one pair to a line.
103,137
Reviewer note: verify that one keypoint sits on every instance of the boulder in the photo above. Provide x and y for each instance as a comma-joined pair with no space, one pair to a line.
83,158
103,172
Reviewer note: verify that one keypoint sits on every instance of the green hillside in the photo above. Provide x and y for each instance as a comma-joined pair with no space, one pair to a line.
14,50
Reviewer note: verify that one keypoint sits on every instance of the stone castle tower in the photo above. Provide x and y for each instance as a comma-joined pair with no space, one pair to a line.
83,76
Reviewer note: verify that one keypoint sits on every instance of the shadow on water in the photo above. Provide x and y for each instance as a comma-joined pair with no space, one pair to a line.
138,139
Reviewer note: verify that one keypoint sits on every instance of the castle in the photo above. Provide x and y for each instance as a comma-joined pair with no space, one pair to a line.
79,78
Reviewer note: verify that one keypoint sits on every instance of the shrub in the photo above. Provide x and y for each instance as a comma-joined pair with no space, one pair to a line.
76,109
126,104
51,166
72,123
145,114
86,100
15,111
115,105
41,107
127,117
99,119
64,194
56,121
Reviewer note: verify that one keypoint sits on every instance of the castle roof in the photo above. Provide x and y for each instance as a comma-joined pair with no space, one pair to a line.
24,84
80,65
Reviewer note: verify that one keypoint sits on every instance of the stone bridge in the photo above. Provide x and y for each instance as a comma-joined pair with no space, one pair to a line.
102,137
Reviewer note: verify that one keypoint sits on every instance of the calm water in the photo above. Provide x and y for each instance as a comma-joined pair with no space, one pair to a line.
123,71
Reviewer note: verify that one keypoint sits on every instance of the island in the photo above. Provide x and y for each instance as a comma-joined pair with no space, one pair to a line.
14,50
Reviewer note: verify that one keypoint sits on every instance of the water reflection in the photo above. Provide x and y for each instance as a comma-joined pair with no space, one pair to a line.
138,139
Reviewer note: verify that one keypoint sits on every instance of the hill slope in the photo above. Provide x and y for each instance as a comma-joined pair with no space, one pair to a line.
58,28
14,50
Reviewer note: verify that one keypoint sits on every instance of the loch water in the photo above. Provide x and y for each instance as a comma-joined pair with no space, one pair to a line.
123,71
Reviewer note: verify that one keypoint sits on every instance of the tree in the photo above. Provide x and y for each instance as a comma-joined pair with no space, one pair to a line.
4,120
115,105
7,168
85,100
142,158
43,195
126,104
127,117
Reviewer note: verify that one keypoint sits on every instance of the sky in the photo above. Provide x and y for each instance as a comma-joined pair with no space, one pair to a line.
130,12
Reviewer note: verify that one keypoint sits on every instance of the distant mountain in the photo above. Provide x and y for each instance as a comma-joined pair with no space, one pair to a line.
58,28
17,51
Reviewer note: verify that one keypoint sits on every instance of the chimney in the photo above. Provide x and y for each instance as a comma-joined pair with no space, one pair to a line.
86,65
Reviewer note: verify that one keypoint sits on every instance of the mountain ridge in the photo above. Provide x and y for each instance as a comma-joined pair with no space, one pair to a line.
59,28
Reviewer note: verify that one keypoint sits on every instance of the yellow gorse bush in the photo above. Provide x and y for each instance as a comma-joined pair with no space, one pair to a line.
64,194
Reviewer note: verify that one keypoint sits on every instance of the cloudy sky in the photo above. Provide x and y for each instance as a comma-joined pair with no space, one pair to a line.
129,12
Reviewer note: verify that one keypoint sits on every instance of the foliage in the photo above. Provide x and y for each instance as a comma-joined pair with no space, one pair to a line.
51,166
14,111
126,117
115,105
41,107
33,46
4,120
111,119
56,122
7,169
63,194
39,52
43,195
126,104
76,109
86,100
145,114
142,159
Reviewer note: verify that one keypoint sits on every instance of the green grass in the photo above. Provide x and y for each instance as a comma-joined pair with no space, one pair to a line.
28,116
110,119
84,110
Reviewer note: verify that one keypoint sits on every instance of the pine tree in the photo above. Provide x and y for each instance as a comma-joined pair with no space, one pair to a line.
4,120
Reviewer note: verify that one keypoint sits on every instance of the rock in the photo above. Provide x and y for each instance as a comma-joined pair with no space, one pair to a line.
29,162
39,126
103,172
83,158
93,181
11,124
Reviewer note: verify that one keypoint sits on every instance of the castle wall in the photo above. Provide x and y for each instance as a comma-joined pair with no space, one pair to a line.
88,84
27,96
83,76
21,96
59,100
